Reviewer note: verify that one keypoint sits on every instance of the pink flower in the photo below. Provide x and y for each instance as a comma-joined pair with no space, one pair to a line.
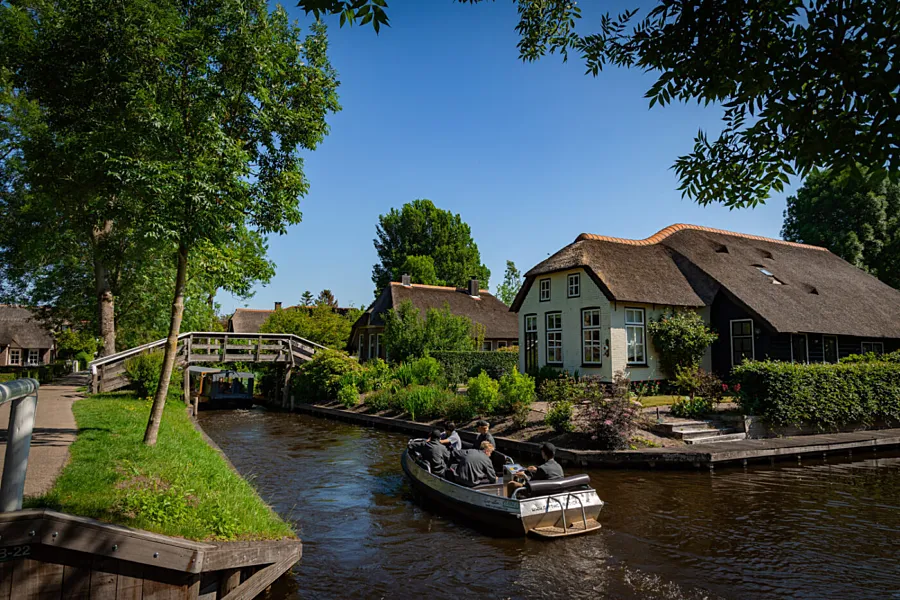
737,387
725,386
594,438
607,422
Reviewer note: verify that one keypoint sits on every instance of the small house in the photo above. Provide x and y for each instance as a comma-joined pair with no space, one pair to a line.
480,306
24,340
587,307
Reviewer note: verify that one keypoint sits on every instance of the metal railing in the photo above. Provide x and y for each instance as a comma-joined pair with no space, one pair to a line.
22,393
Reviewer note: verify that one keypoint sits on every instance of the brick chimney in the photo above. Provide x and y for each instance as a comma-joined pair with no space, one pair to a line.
473,287
278,306
406,280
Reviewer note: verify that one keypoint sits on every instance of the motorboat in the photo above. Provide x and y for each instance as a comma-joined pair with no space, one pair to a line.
548,509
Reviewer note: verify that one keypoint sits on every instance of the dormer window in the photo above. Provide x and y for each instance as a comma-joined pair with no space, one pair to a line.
769,274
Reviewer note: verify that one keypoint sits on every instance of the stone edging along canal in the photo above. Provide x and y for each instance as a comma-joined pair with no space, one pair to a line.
706,455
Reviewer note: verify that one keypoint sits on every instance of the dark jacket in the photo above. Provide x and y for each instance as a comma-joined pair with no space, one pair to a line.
474,467
548,470
434,453
484,437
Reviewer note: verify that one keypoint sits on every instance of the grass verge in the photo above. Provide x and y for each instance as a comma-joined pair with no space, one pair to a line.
648,401
180,487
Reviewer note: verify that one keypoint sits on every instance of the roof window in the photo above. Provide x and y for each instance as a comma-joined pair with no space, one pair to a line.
769,274
722,249
766,254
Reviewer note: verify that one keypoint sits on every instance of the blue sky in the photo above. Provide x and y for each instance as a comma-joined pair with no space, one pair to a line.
439,106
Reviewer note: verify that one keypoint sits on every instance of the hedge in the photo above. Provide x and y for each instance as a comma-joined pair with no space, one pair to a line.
43,373
460,366
826,396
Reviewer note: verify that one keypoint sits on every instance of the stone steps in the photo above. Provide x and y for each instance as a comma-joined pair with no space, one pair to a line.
702,432
718,437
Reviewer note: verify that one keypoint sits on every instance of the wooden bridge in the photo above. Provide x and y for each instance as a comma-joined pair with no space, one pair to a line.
108,373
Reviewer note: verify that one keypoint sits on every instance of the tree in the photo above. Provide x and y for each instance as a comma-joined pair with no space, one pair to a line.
420,270
319,324
681,338
802,84
407,335
420,229
512,281
307,298
327,298
855,214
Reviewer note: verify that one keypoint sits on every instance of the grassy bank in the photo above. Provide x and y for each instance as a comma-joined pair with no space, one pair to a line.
180,487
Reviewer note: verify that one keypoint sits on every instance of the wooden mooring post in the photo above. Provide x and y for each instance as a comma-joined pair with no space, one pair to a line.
50,554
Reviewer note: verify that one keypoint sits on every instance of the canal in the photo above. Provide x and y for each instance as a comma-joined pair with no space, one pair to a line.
826,529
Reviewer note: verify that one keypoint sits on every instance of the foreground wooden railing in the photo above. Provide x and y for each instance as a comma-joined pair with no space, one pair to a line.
47,554
108,373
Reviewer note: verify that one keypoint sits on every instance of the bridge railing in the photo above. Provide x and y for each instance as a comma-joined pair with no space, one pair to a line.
22,393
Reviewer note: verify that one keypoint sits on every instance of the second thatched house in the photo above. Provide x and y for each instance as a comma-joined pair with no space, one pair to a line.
586,308
24,340
500,327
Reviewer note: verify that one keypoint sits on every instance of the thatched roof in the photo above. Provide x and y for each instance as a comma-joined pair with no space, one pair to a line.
248,320
20,328
486,309
687,265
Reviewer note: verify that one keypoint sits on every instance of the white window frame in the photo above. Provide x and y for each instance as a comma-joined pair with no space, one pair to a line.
541,290
531,328
807,347
17,362
487,346
362,345
732,337
373,353
872,347
34,357
573,285
502,344
591,329
837,349
630,328
378,345
554,336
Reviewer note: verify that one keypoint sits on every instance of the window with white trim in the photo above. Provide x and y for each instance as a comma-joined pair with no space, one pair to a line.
741,340
876,347
34,357
501,344
554,338
487,346
545,290
379,348
15,356
373,353
635,336
362,346
799,348
591,343
531,343
573,285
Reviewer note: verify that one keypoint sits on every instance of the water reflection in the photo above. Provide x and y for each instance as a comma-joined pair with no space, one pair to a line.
823,529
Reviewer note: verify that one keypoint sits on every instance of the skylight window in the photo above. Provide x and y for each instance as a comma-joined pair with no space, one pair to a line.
769,273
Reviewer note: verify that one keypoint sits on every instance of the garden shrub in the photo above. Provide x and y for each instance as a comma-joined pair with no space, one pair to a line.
404,374
483,393
890,357
612,421
348,395
692,407
427,371
694,381
681,338
83,359
459,409
321,377
4,377
380,400
459,366
516,392
543,374
561,387
559,416
423,401
826,396
144,370
375,375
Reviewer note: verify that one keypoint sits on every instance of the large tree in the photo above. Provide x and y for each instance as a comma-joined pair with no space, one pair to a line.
802,84
320,324
853,213
418,230
512,281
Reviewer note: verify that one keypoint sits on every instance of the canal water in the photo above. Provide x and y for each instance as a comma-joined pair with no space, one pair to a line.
824,529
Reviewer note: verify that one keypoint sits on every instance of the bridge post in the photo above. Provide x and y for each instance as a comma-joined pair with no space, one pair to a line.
286,390
186,378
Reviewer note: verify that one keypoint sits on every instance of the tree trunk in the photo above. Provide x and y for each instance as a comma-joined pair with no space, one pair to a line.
106,307
159,400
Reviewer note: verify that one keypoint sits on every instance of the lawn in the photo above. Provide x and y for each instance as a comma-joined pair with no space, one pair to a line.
180,487
649,401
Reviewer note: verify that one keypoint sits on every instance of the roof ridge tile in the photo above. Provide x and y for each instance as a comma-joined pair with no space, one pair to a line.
672,229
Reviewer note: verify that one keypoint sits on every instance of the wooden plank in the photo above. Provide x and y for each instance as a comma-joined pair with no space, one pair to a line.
250,357
261,580
113,369
6,576
129,584
158,590
36,580
230,580
77,582
110,385
234,555
103,579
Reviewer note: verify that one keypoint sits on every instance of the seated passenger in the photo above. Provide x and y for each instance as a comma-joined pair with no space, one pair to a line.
451,438
475,467
433,452
550,469
482,428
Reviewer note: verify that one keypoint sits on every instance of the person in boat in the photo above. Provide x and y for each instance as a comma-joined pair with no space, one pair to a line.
482,427
475,466
451,438
433,452
548,470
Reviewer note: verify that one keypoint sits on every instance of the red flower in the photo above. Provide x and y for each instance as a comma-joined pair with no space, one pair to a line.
725,386
737,387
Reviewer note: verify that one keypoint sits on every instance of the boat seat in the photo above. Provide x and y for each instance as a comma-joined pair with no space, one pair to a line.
555,486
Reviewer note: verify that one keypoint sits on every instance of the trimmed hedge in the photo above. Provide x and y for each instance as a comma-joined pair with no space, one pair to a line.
460,366
826,396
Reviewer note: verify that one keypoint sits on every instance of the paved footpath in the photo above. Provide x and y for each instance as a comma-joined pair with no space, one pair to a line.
54,432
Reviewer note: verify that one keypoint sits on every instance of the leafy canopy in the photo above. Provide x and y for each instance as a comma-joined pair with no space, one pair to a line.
801,84
407,336
320,324
681,338
855,214
512,281
419,231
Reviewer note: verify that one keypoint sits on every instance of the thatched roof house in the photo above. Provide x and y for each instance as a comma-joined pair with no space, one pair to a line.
24,340
766,297
249,320
480,306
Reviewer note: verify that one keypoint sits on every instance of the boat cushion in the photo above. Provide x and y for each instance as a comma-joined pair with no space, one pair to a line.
553,486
